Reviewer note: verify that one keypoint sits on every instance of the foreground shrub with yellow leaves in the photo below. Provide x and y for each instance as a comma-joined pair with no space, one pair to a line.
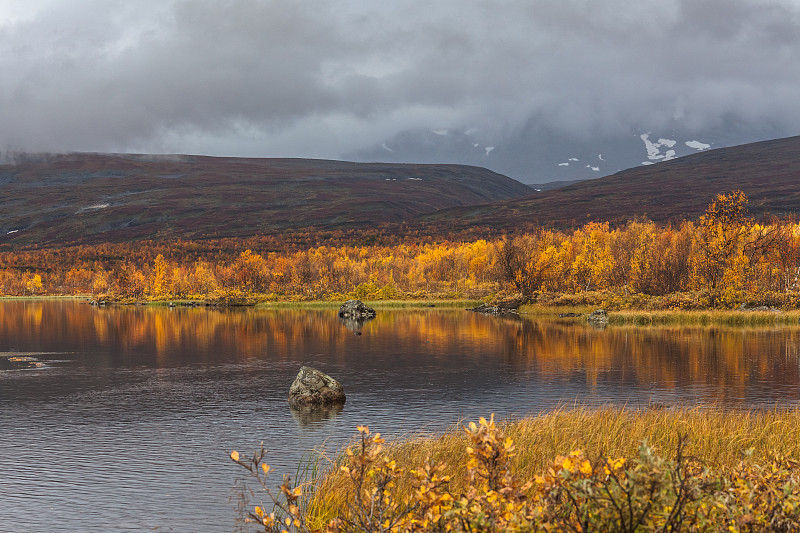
576,493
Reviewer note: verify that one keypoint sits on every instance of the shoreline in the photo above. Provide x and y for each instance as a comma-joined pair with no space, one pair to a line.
534,311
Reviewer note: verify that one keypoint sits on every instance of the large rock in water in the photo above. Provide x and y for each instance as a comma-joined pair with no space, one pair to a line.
356,309
314,388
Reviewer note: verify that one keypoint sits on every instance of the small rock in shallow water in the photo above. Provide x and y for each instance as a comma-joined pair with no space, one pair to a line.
598,318
314,388
356,309
494,310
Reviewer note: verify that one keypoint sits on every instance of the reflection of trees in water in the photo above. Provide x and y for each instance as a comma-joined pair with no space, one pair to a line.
314,416
726,360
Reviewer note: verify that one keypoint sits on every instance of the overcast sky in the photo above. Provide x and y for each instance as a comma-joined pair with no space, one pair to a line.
311,78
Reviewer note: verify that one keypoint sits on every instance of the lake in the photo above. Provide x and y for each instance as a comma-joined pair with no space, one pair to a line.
128,422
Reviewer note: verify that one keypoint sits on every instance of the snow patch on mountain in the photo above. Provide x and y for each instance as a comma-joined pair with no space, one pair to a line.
697,145
538,152
654,148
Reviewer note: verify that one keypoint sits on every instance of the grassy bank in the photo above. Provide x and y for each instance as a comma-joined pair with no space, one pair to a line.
732,318
716,466
706,317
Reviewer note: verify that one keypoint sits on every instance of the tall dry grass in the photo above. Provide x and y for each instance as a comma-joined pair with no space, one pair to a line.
718,437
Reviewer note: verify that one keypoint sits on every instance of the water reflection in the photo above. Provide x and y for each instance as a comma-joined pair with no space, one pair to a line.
355,324
727,364
145,403
308,417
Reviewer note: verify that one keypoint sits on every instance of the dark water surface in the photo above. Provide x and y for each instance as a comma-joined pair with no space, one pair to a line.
129,422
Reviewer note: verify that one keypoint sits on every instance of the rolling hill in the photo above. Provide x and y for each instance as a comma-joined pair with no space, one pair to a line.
90,198
768,172
95,198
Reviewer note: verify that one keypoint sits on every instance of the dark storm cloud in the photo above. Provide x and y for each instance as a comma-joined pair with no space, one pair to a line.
317,78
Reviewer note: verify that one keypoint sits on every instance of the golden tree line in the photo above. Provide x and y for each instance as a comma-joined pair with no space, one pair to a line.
724,255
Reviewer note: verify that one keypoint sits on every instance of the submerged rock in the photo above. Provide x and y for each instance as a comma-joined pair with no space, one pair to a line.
356,309
8,362
314,388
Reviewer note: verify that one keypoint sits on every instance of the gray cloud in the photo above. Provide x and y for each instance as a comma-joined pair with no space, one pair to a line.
319,78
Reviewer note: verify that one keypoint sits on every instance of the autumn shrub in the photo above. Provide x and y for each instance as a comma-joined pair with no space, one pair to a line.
645,491
583,298
616,300
683,301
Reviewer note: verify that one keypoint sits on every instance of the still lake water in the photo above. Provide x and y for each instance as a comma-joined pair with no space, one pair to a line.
128,424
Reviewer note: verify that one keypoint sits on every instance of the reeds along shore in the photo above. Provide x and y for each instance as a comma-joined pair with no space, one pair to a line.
571,469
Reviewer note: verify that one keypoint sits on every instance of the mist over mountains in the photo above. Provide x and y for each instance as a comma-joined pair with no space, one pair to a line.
522,87
545,155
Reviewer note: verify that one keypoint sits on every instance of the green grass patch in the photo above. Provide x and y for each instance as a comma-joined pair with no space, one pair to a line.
728,318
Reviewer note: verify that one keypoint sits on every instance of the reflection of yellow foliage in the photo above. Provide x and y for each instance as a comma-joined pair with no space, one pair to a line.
720,363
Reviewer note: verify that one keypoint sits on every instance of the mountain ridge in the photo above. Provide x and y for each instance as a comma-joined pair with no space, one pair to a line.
767,171
75,198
